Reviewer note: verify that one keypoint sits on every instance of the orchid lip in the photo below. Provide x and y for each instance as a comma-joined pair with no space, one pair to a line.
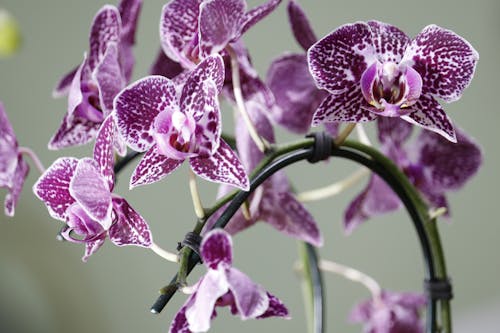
174,134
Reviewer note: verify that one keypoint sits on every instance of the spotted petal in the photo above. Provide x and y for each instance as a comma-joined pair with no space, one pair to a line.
219,23
91,190
301,28
344,107
180,323
250,298
103,150
129,14
129,228
276,308
109,78
338,60
290,217
8,149
445,61
256,14
430,115
178,28
448,165
64,84
53,187
18,178
91,247
165,66
106,29
295,92
137,106
376,199
390,42
222,167
393,131
74,132
217,249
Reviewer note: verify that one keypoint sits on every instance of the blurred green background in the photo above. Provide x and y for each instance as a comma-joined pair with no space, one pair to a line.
44,286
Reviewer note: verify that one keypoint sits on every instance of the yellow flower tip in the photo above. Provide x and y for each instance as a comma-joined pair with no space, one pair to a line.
10,37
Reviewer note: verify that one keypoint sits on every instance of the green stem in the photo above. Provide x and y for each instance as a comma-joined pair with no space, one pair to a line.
307,287
429,224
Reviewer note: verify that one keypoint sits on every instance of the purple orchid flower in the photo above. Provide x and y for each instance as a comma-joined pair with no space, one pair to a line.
92,86
273,202
373,69
396,313
433,165
191,30
13,168
223,285
79,193
151,117
288,77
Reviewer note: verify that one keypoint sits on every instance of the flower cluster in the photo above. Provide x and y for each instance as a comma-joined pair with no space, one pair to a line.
360,72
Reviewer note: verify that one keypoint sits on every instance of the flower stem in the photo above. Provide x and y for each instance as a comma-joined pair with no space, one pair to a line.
261,143
34,157
195,195
344,134
163,253
333,189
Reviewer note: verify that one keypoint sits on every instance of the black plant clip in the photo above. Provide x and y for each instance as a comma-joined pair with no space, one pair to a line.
191,240
439,289
322,148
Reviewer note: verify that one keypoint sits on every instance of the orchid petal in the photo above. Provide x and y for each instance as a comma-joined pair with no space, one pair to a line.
180,323
217,249
8,149
153,167
276,308
137,106
195,98
344,107
18,179
445,61
106,28
212,286
448,165
74,132
130,228
64,83
376,199
53,187
91,190
219,23
254,15
250,298
295,91
129,14
165,66
390,42
103,150
222,167
178,28
109,78
91,247
301,28
393,131
350,45
430,115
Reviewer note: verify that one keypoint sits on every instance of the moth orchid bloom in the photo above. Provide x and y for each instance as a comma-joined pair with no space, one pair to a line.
191,30
392,313
79,193
433,165
104,71
288,77
170,129
272,202
223,285
13,168
373,69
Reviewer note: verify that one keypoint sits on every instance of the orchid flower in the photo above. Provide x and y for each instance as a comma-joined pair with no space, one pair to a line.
391,313
288,77
433,165
13,168
92,86
170,129
191,30
79,193
223,285
373,69
273,202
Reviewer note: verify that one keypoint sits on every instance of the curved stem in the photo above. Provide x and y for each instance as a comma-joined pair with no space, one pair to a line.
34,157
261,143
163,253
195,196
344,134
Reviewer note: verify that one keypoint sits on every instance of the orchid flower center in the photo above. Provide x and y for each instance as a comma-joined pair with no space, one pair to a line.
174,134
391,88
82,224
90,108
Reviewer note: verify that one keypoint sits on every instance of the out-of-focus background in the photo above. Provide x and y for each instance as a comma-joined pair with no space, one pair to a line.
44,286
